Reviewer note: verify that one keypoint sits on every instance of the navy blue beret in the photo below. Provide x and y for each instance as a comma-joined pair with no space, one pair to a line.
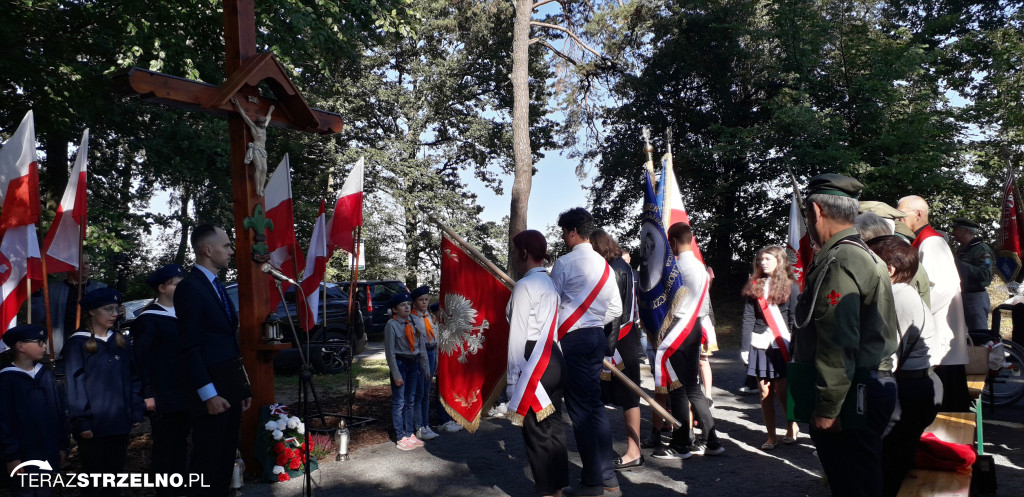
100,297
160,276
397,299
436,306
24,332
421,291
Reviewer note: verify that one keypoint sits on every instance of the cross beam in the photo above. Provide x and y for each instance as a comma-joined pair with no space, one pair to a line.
245,69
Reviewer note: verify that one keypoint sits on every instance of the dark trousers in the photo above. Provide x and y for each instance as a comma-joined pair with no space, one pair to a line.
852,458
103,455
955,396
917,410
170,444
583,350
685,361
545,440
15,489
214,442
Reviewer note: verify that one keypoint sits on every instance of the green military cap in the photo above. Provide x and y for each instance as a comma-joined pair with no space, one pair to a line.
834,184
965,223
906,232
881,208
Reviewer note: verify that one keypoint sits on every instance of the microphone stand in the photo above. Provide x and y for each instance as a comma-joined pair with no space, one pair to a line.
305,381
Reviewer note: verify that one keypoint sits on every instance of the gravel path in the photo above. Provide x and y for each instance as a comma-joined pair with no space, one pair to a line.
492,462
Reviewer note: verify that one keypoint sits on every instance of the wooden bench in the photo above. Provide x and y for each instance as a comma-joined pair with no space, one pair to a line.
956,427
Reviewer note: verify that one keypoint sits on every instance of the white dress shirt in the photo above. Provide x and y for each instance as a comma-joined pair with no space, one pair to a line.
946,302
574,275
694,275
529,312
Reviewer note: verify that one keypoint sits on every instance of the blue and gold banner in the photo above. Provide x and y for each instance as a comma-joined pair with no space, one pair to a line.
660,279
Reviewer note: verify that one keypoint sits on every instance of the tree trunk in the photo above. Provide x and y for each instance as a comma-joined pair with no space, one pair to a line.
520,121
55,175
412,251
183,220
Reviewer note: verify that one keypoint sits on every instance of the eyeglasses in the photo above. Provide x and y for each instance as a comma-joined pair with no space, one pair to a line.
41,342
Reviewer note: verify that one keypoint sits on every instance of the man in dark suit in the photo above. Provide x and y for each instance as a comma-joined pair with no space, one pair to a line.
207,326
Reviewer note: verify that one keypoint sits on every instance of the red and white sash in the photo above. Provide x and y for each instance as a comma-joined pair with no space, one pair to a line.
576,314
773,317
530,394
926,232
665,377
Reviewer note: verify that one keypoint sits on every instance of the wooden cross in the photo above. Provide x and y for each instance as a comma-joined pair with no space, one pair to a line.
245,69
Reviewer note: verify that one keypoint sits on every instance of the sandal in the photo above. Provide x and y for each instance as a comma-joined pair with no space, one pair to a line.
790,439
768,445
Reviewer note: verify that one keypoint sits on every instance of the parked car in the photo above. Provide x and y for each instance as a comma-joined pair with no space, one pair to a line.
328,349
380,292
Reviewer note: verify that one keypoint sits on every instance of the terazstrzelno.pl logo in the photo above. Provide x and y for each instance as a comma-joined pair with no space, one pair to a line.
46,478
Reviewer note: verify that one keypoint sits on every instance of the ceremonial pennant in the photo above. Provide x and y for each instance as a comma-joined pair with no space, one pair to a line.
19,177
660,279
317,256
473,339
348,211
1008,262
798,246
64,239
285,253
673,210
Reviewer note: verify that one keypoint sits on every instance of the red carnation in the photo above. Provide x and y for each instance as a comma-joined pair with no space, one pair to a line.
278,447
283,477
295,463
282,459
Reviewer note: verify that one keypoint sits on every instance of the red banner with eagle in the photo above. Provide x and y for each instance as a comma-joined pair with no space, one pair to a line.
473,342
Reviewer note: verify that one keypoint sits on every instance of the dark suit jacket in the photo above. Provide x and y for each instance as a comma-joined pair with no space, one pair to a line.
207,341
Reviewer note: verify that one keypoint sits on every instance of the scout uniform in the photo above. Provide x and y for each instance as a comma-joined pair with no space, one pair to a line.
974,262
407,360
426,332
155,341
845,337
32,421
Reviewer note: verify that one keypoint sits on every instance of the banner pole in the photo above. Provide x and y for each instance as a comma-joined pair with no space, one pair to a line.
504,278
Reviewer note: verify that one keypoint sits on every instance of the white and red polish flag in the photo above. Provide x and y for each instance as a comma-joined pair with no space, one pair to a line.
19,197
316,268
285,253
64,240
798,246
674,210
19,177
348,211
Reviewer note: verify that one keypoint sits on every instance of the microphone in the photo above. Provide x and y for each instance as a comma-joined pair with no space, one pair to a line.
277,274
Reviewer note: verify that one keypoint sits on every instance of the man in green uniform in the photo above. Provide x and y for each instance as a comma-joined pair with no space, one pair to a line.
893,215
974,262
844,341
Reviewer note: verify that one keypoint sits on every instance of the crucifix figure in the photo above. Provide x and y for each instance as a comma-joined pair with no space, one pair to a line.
245,71
257,151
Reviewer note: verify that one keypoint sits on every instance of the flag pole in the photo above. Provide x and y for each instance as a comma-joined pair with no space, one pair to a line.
650,151
46,307
353,278
504,278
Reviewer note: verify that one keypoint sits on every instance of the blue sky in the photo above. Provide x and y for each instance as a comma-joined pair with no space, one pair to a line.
555,189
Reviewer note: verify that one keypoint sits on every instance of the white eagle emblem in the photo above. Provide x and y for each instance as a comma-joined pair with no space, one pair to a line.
458,330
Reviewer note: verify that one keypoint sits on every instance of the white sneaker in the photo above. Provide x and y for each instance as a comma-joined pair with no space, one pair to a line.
498,411
450,427
425,433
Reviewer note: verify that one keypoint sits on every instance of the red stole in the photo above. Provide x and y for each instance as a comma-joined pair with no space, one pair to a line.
773,318
926,232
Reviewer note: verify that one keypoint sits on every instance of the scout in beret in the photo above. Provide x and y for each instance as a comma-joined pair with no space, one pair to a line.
32,423
844,340
424,326
104,397
165,389
975,262
407,360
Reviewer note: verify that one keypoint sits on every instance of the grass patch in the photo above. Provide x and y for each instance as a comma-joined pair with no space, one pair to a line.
365,374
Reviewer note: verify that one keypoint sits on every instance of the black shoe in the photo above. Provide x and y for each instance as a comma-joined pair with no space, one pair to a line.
670,453
584,490
714,449
635,463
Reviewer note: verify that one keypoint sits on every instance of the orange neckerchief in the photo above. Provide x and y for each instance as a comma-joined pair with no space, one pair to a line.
426,322
410,335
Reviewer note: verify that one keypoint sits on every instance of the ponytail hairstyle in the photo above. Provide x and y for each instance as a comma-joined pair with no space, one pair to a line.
781,279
